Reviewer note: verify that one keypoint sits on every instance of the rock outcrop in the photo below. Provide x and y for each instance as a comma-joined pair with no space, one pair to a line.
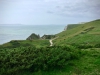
33,36
65,28
48,36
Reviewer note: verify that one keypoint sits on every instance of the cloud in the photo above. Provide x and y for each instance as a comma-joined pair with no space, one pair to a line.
77,7
26,10
49,12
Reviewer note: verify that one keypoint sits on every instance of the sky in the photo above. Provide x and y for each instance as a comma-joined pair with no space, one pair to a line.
47,12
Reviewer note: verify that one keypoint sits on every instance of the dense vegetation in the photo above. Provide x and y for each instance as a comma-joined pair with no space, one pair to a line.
76,51
55,60
13,61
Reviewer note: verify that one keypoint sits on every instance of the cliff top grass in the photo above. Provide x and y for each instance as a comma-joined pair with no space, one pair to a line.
70,26
84,33
25,43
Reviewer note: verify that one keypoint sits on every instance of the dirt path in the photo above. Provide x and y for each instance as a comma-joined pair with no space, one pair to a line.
51,43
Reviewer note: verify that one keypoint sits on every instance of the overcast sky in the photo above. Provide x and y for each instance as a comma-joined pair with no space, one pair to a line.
46,12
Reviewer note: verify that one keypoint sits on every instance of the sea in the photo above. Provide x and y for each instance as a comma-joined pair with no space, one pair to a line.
21,32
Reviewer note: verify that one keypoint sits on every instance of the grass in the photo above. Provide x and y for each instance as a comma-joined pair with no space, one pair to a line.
83,38
18,43
88,32
70,26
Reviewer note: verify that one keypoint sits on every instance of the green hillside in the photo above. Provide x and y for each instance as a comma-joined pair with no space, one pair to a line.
26,43
82,34
75,51
70,26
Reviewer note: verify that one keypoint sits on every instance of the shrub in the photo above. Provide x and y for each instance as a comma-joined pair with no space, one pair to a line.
97,45
34,59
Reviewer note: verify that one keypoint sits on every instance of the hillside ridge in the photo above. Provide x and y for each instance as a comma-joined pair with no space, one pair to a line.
80,33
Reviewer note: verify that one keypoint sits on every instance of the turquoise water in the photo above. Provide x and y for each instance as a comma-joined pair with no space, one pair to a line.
8,33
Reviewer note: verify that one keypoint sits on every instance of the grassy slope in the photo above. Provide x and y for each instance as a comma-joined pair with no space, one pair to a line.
18,43
70,26
84,33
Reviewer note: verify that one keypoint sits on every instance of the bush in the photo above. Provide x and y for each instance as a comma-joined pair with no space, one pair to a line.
33,59
97,45
83,46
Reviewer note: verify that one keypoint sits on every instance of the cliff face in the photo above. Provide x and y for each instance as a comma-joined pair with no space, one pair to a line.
33,36
70,26
65,28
